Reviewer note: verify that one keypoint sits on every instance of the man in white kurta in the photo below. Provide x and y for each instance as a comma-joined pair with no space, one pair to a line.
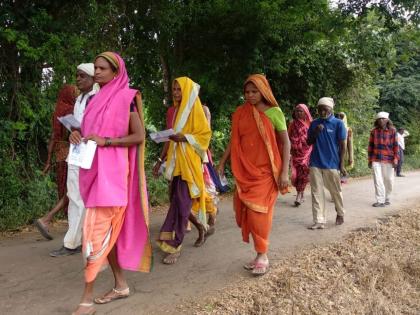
76,208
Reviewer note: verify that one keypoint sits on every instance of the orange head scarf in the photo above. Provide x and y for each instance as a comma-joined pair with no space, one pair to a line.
260,81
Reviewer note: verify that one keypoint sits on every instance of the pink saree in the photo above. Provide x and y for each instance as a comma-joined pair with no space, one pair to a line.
116,178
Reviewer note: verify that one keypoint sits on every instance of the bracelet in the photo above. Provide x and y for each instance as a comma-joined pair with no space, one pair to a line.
108,141
160,160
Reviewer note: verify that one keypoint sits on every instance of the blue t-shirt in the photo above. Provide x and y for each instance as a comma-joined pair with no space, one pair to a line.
326,150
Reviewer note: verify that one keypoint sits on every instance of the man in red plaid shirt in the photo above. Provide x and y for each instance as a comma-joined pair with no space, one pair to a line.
383,157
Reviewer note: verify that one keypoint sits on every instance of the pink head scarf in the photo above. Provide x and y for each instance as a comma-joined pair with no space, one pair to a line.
308,117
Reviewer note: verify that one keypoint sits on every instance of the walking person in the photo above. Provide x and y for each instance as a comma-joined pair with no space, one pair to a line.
383,157
116,225
76,208
300,151
327,135
349,157
259,149
58,146
183,156
402,133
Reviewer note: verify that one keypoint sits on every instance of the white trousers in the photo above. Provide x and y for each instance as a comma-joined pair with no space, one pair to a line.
76,209
383,178
330,179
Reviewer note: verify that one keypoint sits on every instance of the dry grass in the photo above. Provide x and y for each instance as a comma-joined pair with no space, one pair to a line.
373,271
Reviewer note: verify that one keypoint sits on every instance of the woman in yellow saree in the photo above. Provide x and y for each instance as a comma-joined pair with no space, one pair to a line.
185,155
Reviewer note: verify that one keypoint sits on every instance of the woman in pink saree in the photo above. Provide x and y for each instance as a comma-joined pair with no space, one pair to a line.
116,226
300,151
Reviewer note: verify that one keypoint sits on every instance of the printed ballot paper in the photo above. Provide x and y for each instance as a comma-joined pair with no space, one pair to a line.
162,136
69,121
82,154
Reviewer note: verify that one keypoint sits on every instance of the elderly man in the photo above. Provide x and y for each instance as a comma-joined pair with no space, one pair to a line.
76,209
328,136
383,157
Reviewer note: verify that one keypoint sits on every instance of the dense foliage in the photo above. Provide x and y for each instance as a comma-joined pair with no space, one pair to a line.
365,54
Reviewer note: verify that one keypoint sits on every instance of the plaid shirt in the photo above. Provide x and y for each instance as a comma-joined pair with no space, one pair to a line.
383,146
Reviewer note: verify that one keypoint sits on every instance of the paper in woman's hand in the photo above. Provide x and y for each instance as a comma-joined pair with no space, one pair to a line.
162,136
82,154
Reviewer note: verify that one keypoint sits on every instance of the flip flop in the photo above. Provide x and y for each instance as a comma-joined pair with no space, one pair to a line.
263,266
120,294
249,266
42,229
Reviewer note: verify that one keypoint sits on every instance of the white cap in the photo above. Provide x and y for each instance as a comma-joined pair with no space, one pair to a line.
88,68
382,115
327,101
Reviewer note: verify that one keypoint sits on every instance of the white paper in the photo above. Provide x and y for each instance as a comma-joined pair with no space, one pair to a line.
82,154
162,136
69,121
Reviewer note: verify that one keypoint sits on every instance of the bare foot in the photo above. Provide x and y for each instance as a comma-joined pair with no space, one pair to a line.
171,259
201,236
84,309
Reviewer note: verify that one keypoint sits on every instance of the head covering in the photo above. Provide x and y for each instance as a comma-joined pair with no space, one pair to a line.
111,57
263,86
327,101
382,115
88,68
308,117
344,119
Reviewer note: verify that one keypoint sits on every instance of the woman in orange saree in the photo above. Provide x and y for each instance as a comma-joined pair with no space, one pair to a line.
259,151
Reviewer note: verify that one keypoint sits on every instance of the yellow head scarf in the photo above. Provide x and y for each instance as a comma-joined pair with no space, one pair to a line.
185,158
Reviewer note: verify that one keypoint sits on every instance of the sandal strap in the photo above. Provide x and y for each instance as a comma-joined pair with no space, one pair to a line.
121,292
86,304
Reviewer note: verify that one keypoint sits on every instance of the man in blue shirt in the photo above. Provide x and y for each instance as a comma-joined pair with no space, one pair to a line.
328,136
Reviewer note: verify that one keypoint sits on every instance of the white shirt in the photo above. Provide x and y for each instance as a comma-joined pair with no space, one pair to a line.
400,138
80,105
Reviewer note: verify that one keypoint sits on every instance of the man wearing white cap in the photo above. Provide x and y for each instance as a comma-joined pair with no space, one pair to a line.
76,208
383,157
328,136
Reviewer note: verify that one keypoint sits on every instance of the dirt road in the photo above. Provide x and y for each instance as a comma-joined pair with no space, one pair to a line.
33,283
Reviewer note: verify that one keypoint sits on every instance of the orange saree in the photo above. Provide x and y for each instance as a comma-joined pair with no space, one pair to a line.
256,165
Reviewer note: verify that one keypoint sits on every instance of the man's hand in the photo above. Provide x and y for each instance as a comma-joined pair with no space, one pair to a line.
343,171
75,137
319,128
370,164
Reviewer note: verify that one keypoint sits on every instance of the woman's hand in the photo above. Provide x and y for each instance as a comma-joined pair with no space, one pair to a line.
179,137
100,141
220,169
283,181
156,169
46,167
75,137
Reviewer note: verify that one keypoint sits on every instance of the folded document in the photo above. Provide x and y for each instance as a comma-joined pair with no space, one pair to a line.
162,136
82,154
